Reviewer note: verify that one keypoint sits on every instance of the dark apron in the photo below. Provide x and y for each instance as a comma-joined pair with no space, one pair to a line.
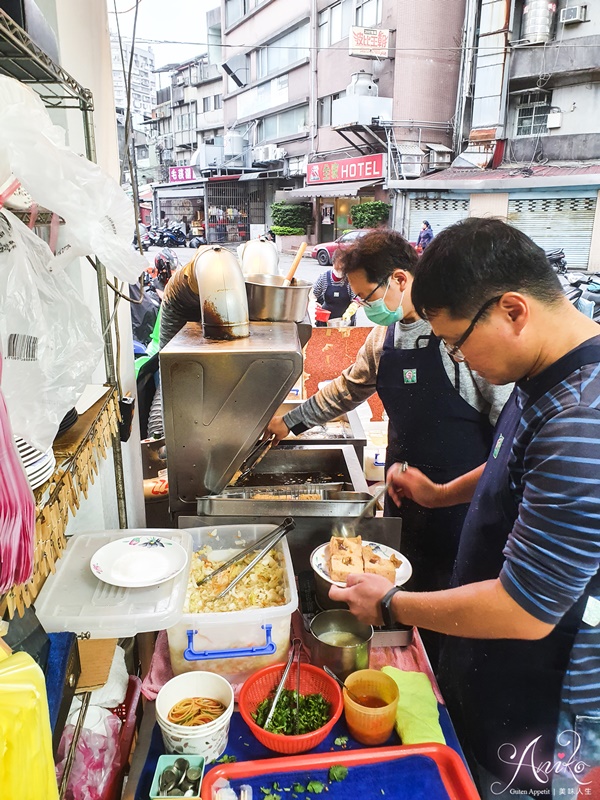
336,299
432,428
506,691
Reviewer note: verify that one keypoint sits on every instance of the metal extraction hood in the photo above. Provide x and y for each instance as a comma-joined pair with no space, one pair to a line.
218,397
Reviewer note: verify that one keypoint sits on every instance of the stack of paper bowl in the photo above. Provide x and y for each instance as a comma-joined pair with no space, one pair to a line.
208,740
39,467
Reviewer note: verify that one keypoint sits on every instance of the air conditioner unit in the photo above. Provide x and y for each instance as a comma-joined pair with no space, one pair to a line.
279,154
260,154
270,151
569,16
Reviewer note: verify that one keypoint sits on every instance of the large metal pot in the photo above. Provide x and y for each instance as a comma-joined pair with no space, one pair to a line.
270,301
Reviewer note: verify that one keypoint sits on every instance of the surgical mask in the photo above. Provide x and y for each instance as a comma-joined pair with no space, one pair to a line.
380,314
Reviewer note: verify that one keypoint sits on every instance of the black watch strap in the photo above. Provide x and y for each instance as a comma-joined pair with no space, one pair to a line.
385,603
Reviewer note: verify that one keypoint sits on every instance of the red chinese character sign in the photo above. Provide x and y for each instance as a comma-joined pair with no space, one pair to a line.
178,174
346,169
370,42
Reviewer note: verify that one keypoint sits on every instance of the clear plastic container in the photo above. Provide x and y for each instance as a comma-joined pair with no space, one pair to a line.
371,725
234,644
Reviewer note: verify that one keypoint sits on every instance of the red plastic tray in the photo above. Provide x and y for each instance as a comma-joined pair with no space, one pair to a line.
453,772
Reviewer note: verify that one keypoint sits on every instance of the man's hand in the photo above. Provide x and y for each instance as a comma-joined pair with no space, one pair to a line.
363,594
414,485
277,428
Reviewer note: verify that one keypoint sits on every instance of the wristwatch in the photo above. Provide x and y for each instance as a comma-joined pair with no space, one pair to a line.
385,604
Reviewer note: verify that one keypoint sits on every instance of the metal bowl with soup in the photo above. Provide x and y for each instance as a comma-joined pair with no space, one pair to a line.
339,641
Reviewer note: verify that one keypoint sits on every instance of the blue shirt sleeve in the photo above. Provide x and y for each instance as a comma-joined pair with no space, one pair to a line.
554,548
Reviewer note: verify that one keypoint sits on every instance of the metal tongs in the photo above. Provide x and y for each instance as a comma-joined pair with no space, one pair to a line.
271,540
295,651
256,455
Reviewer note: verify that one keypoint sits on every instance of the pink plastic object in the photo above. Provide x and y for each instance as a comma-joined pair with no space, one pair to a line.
17,510
101,760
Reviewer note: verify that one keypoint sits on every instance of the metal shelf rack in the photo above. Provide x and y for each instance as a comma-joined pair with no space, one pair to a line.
24,61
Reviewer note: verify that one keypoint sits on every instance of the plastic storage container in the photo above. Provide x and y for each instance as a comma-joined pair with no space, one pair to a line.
235,644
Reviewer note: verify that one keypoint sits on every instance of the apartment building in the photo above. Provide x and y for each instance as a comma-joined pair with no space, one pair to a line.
528,127
324,101
142,75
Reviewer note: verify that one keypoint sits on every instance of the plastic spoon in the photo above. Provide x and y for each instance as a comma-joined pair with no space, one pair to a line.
342,684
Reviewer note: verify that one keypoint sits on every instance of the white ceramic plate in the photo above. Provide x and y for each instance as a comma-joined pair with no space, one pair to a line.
319,559
138,561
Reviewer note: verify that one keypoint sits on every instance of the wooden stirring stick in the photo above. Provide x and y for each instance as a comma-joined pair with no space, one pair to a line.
290,276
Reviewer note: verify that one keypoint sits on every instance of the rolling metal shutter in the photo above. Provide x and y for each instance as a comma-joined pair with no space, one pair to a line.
565,222
439,212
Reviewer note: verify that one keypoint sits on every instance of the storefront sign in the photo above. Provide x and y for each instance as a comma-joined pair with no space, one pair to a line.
370,42
178,174
346,169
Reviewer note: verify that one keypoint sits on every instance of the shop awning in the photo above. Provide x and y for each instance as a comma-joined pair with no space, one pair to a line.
325,190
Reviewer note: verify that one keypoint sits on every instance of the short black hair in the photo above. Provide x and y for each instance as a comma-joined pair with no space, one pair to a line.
379,253
475,260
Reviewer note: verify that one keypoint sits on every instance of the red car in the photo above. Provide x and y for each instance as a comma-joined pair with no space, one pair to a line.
324,252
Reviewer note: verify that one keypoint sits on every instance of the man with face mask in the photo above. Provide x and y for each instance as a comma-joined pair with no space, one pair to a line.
333,292
441,415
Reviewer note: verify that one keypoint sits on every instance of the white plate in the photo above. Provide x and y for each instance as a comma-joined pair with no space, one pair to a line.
319,558
137,561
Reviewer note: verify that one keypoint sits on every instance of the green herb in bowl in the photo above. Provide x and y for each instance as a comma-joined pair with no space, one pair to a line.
313,713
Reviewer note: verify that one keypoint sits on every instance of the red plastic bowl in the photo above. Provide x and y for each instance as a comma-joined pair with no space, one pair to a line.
312,680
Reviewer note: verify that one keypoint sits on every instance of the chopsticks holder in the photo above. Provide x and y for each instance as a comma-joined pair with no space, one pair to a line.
286,526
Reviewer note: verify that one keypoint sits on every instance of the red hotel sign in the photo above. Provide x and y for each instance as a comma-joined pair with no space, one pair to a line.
346,169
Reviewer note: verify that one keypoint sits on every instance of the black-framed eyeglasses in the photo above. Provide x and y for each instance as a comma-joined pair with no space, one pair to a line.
454,350
366,302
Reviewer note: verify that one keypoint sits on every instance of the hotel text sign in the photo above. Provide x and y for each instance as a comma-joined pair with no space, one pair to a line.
346,169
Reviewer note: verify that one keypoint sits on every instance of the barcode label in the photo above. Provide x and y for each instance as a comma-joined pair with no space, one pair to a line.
22,347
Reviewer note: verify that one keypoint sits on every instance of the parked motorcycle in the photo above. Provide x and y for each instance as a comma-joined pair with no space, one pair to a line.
171,236
196,241
557,260
144,237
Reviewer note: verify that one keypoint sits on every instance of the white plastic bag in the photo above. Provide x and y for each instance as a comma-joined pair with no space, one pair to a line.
98,214
48,337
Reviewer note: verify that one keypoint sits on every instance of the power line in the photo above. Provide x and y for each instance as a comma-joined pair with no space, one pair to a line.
133,8
344,49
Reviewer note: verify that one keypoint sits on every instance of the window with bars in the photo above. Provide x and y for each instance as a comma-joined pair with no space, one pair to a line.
368,13
532,113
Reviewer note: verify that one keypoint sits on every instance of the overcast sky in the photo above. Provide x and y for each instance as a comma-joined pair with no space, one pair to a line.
175,20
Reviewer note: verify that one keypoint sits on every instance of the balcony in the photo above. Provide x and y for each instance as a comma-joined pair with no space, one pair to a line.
567,61
200,73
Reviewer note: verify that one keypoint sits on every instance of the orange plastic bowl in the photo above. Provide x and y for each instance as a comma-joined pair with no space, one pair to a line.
312,680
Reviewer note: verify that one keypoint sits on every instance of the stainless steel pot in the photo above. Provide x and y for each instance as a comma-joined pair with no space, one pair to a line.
270,301
341,659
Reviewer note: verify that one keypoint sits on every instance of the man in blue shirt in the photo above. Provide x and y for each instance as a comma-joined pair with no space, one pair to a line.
520,669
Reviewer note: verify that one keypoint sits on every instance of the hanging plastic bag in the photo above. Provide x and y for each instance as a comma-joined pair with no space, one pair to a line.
49,339
17,509
98,214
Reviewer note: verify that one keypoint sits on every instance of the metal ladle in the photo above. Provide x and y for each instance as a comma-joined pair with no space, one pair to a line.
342,684
347,530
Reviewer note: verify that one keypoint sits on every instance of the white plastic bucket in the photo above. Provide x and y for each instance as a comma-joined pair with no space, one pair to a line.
209,740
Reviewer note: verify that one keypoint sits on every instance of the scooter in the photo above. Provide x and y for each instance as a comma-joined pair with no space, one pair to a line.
196,241
171,237
144,238
557,260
